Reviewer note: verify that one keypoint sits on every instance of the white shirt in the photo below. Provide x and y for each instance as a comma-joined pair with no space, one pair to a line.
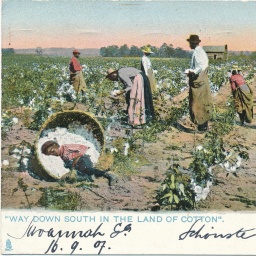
146,63
199,61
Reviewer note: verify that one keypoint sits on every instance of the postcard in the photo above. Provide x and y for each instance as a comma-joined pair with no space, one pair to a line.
128,127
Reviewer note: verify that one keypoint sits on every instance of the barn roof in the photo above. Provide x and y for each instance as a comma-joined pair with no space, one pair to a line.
222,48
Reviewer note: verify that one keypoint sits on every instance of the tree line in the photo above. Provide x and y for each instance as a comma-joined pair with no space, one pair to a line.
164,51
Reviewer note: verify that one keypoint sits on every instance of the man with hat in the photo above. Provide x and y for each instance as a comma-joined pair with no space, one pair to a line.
200,98
76,75
146,67
75,157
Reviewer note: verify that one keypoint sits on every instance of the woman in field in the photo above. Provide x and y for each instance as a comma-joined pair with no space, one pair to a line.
146,67
243,96
137,94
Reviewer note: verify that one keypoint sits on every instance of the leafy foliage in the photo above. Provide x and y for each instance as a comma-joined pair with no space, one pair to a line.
175,192
59,199
164,51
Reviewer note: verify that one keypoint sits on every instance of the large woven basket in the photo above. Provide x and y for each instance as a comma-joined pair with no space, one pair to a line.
63,119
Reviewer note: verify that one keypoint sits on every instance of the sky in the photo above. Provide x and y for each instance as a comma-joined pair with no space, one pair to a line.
94,24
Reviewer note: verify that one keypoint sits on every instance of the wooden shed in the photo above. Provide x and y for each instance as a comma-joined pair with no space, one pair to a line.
217,52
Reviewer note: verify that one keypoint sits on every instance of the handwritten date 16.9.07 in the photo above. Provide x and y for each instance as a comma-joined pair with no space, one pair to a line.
53,247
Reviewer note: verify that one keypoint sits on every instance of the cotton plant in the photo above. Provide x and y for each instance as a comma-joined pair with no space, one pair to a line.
201,192
5,162
66,91
22,152
232,163
175,192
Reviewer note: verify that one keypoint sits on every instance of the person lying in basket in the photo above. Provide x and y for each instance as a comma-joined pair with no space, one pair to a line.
75,157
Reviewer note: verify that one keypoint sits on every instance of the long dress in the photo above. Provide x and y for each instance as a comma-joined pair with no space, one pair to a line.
243,98
138,95
146,67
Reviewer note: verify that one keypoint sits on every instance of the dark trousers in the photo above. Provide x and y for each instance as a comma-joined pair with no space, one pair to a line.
203,127
242,117
127,100
85,166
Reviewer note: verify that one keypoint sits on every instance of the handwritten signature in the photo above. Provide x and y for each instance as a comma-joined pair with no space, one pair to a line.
199,233
32,230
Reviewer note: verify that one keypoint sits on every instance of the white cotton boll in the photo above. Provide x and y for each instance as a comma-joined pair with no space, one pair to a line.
205,193
198,198
16,151
126,148
194,185
155,71
226,165
239,158
208,184
238,163
210,170
115,92
109,138
198,189
183,89
26,151
200,147
5,162
112,150
51,135
25,161
15,120
233,168
16,156
61,131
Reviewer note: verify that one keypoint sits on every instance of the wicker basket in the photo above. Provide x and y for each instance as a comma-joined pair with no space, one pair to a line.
63,119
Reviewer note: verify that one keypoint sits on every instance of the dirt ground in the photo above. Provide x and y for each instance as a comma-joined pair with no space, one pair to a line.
137,193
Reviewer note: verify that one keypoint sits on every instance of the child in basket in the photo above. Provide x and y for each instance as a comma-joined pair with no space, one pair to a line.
75,157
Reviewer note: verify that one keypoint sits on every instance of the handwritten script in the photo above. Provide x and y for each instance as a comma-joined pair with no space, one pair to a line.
57,235
198,232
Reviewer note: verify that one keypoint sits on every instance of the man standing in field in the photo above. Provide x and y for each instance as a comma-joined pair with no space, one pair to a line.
76,75
200,98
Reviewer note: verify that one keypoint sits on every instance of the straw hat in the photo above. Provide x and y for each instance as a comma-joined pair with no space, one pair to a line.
110,72
235,67
146,49
194,39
